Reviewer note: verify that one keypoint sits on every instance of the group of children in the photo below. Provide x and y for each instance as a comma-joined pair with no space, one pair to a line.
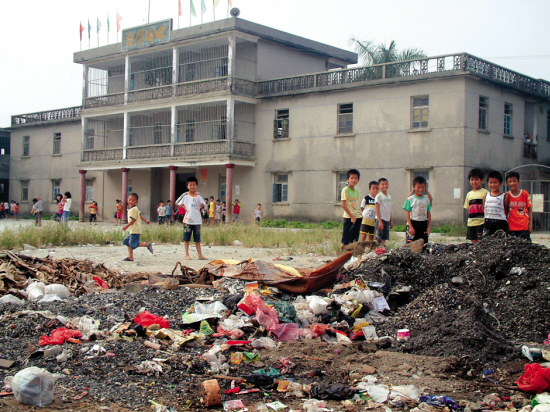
488,211
9,209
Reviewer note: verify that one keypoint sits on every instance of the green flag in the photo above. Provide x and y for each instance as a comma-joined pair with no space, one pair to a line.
216,2
193,9
108,24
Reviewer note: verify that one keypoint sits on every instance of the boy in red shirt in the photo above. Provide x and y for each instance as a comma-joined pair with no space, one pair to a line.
520,218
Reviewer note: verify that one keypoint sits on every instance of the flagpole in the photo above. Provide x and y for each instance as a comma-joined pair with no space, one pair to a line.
108,28
97,31
227,8
190,12
117,26
214,10
80,34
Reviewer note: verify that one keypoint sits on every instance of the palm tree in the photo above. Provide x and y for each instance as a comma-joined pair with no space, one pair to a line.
369,53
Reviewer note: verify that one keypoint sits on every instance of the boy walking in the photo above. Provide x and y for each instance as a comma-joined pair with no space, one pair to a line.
520,217
474,204
384,218
418,209
368,208
37,211
161,210
193,203
352,211
134,224
258,214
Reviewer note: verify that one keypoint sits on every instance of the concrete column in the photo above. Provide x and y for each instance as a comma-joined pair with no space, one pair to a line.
173,130
173,170
231,53
229,191
174,70
82,206
230,124
125,194
126,78
126,134
84,123
84,83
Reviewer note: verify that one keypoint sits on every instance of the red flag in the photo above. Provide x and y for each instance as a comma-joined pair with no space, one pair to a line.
230,3
118,19
179,8
81,30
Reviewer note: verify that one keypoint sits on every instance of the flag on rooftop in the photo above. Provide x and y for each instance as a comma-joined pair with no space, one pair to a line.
81,30
118,19
193,12
216,3
203,7
179,8
89,29
108,24
98,25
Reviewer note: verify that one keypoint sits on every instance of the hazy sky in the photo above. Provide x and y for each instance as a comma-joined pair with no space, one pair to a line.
39,37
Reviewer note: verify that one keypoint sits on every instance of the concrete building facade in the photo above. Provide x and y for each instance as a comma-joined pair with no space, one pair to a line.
268,117
4,164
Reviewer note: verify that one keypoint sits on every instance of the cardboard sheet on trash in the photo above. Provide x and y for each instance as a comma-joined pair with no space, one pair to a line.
251,270
174,335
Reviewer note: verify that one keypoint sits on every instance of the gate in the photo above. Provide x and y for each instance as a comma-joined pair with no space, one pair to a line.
536,180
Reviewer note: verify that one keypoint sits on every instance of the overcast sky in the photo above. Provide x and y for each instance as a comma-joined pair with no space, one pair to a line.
39,37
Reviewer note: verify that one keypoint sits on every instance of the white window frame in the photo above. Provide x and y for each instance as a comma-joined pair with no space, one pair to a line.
56,188
24,190
26,146
56,144
420,109
425,173
483,114
508,113
345,118
89,190
341,182
280,188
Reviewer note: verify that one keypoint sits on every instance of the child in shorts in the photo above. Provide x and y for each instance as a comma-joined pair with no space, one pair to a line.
368,208
418,209
352,210
384,218
495,206
161,210
119,210
193,203
258,214
474,204
134,224
93,212
520,216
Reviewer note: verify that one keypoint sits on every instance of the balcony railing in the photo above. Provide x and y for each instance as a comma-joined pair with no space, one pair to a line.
47,116
192,149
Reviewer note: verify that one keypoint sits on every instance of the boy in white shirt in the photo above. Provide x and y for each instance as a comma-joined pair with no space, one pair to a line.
384,218
161,210
193,203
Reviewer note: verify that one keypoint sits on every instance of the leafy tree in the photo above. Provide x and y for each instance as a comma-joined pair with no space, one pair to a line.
370,53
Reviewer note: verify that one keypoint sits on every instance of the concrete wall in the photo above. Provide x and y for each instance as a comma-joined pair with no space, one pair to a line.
276,61
42,167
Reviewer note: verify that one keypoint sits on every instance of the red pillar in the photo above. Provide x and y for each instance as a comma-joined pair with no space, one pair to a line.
229,191
82,206
125,194
173,170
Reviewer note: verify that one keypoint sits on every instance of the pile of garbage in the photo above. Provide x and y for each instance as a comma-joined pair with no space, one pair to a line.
146,340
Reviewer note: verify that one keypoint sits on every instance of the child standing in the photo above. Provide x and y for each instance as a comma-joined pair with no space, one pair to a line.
134,223
368,208
236,210
119,210
168,212
218,212
418,209
16,211
181,213
258,214
193,203
224,211
93,212
474,204
520,217
211,210
161,210
384,218
495,205
352,211
67,201
37,211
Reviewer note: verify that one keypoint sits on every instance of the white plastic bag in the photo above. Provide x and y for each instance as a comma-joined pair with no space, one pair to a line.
33,386
49,298
57,289
410,391
318,305
264,342
87,326
379,393
11,299
35,291
210,309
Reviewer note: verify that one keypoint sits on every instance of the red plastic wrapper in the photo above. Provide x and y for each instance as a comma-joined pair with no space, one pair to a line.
237,342
146,319
380,251
100,282
318,329
536,379
59,336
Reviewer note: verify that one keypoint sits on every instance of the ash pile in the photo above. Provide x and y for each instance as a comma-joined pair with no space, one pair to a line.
480,301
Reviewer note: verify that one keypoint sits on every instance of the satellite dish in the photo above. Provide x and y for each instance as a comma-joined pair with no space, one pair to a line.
235,12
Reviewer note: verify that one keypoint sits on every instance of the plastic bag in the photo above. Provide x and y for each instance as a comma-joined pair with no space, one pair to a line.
535,379
35,291
11,299
317,305
379,393
146,319
33,386
49,298
266,343
57,289
211,308
59,336
287,331
88,326
318,329
100,282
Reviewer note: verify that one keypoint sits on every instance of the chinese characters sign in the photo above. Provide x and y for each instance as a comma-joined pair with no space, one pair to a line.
148,35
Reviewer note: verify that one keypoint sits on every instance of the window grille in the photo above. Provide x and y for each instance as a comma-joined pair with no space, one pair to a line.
341,182
26,146
56,143
56,189
150,70
483,112
281,126
24,190
106,79
420,112
345,118
507,119
280,188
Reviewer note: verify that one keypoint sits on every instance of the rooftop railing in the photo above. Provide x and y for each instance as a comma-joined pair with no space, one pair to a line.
47,116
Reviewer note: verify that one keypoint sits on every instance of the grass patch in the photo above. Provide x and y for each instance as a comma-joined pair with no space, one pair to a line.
282,223
453,229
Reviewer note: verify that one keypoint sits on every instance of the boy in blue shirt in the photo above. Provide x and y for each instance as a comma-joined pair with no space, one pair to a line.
418,208
169,212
